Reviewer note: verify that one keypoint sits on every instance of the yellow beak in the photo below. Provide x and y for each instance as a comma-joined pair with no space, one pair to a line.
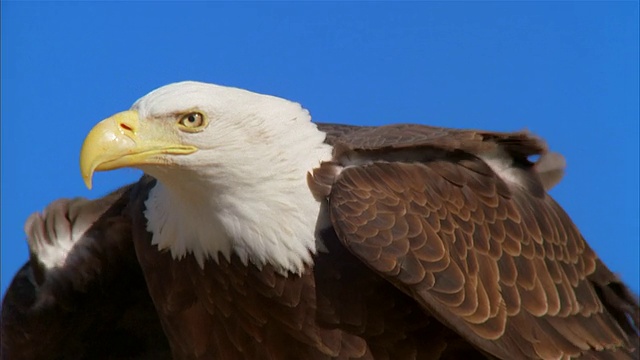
124,141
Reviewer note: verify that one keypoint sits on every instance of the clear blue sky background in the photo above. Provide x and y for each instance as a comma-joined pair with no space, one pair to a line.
567,71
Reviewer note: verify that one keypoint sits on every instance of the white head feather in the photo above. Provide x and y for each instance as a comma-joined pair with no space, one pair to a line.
244,191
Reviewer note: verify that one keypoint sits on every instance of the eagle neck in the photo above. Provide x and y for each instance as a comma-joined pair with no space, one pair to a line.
262,211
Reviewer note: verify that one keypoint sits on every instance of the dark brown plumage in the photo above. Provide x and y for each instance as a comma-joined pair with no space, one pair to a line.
430,254
95,307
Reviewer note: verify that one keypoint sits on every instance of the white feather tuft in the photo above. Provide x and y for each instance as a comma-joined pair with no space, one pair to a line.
54,236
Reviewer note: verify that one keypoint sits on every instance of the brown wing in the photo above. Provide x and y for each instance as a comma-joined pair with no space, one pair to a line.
410,136
419,143
550,167
94,303
503,266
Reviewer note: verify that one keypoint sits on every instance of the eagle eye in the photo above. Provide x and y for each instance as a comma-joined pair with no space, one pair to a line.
192,121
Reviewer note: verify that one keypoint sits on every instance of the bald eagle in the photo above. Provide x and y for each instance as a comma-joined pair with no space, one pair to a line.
258,234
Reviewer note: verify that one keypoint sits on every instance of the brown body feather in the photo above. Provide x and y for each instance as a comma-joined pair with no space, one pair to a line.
431,255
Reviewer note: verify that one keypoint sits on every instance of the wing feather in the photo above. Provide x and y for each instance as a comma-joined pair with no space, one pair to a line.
503,266
82,293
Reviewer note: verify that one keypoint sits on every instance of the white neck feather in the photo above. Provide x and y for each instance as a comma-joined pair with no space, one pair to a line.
246,194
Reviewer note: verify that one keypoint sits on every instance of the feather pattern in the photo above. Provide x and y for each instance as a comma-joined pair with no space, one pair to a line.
430,243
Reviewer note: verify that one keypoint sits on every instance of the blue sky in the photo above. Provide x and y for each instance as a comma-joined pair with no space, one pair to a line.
568,71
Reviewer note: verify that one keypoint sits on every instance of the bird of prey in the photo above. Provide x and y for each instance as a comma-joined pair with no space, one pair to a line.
258,234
